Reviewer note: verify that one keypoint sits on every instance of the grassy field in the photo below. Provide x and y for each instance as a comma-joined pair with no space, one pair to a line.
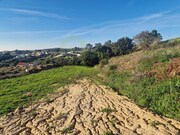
14,92
143,77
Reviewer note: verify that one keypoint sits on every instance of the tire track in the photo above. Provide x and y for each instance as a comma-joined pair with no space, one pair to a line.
86,109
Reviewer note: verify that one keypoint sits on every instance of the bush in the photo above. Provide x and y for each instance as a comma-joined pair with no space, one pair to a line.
113,67
104,61
162,56
89,59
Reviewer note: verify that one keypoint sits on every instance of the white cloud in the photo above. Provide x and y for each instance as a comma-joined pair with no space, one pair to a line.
32,32
153,16
152,21
156,15
116,29
35,13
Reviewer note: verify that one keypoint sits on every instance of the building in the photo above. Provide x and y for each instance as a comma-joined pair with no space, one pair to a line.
22,64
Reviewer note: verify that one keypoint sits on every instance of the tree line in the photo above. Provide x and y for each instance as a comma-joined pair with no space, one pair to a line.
99,52
122,46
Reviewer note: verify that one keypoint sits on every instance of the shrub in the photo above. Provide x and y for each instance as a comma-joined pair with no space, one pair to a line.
162,56
104,61
107,110
113,67
89,59
107,133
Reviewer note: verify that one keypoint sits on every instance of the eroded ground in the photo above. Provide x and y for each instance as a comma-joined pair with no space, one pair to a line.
85,108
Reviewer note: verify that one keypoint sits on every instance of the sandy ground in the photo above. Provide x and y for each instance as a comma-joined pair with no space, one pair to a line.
85,108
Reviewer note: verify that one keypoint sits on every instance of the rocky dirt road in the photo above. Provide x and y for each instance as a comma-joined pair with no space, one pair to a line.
86,109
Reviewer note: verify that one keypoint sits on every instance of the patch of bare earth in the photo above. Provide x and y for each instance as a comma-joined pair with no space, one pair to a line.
87,109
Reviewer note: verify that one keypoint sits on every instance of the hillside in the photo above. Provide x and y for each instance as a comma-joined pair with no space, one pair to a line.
150,78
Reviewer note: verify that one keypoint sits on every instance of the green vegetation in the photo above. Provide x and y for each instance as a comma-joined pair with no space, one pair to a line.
159,94
167,44
146,38
99,53
112,67
67,130
154,123
161,56
89,59
107,133
14,91
107,110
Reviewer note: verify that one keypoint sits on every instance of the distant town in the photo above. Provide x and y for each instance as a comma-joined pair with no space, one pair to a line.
18,62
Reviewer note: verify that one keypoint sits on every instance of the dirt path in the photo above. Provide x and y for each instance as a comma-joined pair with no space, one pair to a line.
86,109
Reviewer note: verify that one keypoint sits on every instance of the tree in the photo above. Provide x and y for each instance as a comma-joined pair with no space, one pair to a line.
122,46
76,48
103,52
98,44
5,56
146,38
156,35
89,59
108,43
89,46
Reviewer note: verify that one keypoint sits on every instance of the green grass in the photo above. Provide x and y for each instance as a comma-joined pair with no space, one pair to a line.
107,133
166,44
13,92
107,110
160,56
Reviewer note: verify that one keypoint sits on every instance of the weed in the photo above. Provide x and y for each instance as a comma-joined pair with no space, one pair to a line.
94,121
48,100
154,123
33,112
52,126
103,62
107,110
61,115
108,133
113,67
66,130
146,63
64,91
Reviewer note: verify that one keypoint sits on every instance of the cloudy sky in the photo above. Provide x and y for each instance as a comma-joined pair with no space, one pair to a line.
36,24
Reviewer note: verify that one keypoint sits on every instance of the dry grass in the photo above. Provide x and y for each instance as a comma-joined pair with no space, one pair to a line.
127,62
130,62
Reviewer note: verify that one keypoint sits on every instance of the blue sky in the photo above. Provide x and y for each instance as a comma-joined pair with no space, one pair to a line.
36,24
